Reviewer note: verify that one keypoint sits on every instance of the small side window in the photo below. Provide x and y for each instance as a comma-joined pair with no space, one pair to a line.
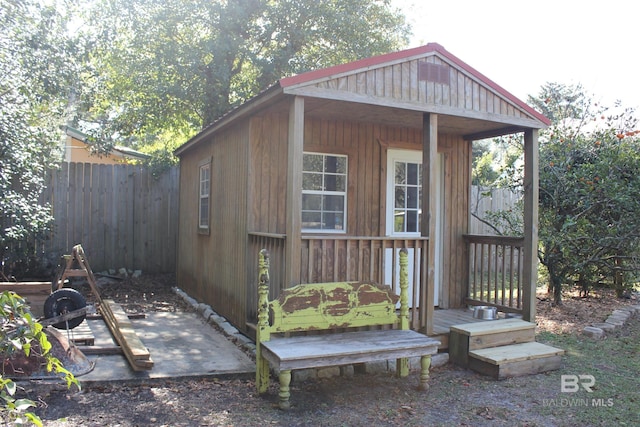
204,196
324,192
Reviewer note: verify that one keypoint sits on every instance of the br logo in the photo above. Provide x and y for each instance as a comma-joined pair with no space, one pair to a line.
572,383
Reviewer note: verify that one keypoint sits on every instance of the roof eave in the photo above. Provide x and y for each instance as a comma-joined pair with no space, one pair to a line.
311,77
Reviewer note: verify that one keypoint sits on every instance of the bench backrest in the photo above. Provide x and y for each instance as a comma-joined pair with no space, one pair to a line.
335,305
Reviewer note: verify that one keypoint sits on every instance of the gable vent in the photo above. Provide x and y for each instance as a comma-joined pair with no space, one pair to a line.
436,73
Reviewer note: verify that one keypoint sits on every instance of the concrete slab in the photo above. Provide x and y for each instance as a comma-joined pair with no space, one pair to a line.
181,345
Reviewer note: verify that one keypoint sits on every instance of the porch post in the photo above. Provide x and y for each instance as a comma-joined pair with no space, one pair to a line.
531,190
429,203
294,191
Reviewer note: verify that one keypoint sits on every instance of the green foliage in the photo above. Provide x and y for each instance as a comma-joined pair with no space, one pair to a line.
589,158
34,82
484,174
176,66
497,165
21,334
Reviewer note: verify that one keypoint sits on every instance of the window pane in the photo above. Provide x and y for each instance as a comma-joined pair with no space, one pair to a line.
400,197
412,173
398,221
312,181
412,221
204,212
312,220
334,203
339,221
335,183
311,202
312,162
333,220
412,197
401,173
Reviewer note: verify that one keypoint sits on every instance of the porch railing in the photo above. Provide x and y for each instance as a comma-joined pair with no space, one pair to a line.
334,258
495,271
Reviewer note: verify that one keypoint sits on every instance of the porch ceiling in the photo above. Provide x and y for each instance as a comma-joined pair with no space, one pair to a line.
471,128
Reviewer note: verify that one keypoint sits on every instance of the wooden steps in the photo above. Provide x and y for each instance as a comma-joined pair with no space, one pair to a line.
501,349
515,360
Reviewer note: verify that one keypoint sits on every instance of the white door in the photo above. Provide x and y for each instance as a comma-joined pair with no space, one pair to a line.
404,213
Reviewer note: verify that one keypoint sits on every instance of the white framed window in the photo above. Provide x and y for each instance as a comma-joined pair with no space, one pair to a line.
204,196
404,194
324,192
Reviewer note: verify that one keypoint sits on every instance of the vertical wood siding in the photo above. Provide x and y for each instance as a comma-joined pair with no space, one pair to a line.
212,267
120,214
403,82
457,176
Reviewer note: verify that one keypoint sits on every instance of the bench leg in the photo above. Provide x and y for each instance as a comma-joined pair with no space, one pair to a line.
402,367
285,380
425,364
262,375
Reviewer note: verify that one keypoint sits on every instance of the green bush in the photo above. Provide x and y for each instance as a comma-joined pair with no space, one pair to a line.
21,334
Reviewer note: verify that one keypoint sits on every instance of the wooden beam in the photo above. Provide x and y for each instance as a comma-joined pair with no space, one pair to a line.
531,190
508,130
429,211
294,191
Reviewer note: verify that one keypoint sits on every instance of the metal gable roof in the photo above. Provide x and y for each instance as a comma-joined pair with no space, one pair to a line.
308,84
294,83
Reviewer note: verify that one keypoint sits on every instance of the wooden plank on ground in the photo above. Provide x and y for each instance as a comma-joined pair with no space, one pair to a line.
82,335
122,329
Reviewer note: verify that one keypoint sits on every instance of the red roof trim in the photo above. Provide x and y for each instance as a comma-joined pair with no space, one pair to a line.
355,65
404,54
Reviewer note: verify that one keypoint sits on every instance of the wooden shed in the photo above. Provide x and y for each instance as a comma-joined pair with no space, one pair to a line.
335,170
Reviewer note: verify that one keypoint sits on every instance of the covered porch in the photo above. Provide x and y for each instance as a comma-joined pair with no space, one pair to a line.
494,272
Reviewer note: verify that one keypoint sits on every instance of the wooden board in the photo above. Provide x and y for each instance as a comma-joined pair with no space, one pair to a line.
346,348
333,305
122,329
515,353
82,335
492,327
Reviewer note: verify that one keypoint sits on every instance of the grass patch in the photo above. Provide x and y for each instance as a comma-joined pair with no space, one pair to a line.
614,364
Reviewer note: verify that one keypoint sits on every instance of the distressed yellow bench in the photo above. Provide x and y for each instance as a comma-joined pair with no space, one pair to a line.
335,307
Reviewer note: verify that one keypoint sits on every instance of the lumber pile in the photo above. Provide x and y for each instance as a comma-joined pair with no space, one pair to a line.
120,326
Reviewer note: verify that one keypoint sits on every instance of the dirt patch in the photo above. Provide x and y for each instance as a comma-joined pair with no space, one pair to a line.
576,312
456,396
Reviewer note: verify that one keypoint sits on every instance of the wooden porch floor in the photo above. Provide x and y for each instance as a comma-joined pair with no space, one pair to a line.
444,319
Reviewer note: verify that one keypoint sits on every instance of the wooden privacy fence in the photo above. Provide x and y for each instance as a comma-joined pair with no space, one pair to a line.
491,200
121,214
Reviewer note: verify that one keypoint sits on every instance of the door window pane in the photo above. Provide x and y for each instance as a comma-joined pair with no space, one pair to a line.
408,197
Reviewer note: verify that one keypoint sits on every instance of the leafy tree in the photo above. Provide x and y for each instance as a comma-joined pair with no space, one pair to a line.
34,80
589,158
167,68
588,225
